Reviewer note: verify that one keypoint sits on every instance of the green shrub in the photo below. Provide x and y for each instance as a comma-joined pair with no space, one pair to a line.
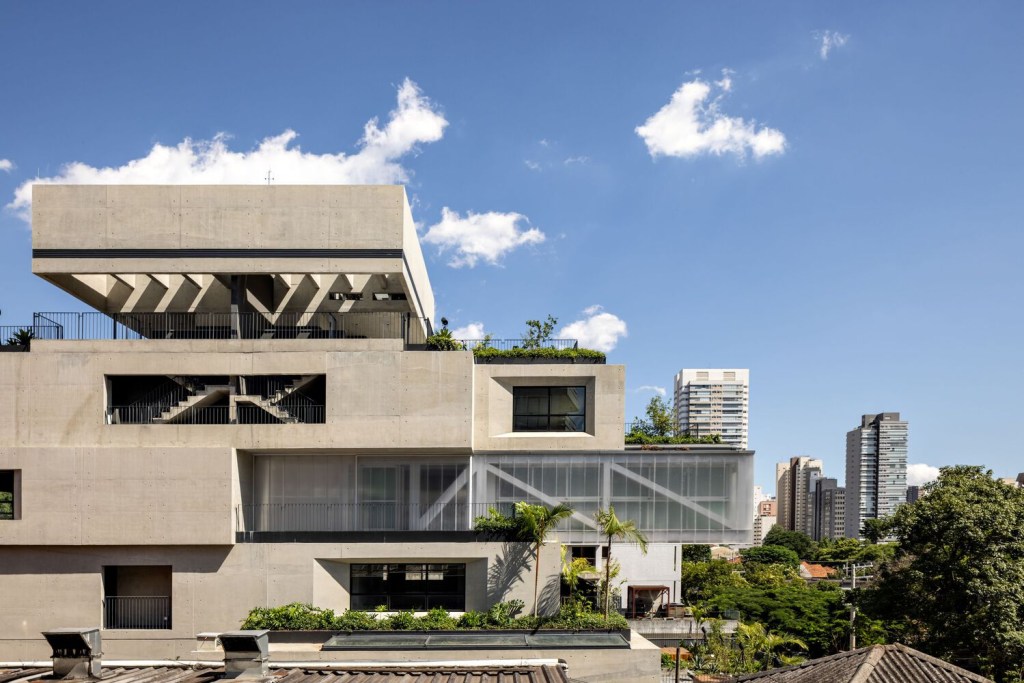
472,619
297,616
402,621
356,620
438,619
544,352
501,614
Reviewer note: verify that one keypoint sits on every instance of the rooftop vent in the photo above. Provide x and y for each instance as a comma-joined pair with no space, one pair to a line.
76,652
246,654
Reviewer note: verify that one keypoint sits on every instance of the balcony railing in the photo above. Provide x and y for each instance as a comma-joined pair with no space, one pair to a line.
318,325
345,517
215,415
137,612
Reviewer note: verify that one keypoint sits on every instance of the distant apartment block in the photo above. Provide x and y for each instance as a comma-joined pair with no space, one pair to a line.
714,402
829,510
795,489
876,469
765,517
913,493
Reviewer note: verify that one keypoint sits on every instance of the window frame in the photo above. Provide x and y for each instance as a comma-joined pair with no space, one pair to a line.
551,417
15,492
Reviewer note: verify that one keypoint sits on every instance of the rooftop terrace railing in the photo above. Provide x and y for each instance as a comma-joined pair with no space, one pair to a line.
317,325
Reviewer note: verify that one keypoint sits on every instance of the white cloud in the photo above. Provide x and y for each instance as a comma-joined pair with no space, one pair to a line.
470,331
830,40
487,236
692,124
581,160
661,391
415,120
532,165
920,474
600,331
6,165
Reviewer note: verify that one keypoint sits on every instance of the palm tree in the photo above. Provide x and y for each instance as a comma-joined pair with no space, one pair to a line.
535,524
614,528
761,649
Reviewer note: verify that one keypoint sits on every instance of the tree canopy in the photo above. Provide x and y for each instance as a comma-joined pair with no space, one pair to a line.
955,588
770,554
797,541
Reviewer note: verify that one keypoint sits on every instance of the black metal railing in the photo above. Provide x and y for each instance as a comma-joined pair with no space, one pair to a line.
509,344
137,612
244,413
367,516
318,325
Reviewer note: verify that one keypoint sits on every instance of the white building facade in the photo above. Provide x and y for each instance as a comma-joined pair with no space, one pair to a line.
714,401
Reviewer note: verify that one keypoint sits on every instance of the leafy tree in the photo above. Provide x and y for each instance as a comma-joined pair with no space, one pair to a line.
770,554
528,523
615,529
695,553
702,580
659,417
538,333
874,530
818,616
838,550
797,541
955,588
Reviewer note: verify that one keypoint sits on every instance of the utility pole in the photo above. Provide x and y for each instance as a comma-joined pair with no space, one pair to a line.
853,609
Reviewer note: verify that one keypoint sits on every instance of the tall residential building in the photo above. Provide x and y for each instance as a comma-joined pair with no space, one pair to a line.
713,402
249,415
876,469
829,510
765,517
795,489
913,494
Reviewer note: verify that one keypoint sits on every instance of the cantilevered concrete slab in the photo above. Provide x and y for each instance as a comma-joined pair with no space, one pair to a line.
187,248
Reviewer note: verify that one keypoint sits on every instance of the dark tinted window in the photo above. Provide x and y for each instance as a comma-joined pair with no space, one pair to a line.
549,409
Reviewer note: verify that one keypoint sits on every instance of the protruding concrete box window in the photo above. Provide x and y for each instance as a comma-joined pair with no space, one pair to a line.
10,494
137,597
549,409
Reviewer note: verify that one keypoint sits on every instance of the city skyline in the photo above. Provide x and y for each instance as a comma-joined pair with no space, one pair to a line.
542,180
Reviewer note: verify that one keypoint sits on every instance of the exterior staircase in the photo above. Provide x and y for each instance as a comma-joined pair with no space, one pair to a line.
203,397
267,405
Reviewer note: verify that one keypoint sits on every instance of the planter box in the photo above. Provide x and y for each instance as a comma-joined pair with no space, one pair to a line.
498,360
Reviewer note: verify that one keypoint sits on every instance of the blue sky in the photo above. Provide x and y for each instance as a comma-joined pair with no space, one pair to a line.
847,225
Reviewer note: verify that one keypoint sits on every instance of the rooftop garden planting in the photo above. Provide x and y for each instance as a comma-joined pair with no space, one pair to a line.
660,427
574,614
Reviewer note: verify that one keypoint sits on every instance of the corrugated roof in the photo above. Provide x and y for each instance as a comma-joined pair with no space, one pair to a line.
359,674
874,664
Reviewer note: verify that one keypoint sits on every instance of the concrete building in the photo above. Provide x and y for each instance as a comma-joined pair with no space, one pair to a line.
765,515
249,416
714,402
876,469
795,490
829,510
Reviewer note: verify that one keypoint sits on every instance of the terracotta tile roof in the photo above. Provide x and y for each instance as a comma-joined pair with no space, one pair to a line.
816,571
874,664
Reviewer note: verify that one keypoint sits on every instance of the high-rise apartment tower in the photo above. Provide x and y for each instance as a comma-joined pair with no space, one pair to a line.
713,402
876,469
795,482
